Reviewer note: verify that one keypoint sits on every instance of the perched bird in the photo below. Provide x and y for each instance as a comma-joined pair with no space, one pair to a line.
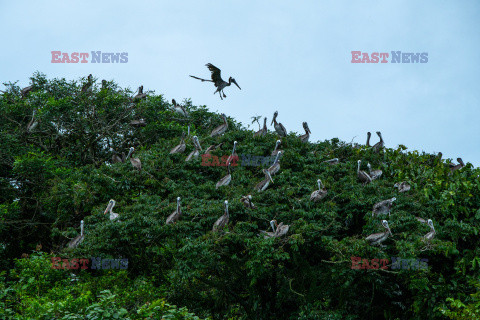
279,128
262,132
379,145
319,194
233,156
369,135
421,220
195,153
429,236
402,186
383,207
269,234
460,165
87,86
213,148
221,128
275,167
176,214
138,123
26,90
33,122
140,94
76,241
262,185
181,147
136,163
218,81
116,158
375,174
304,138
225,181
276,150
179,109
362,175
281,229
377,238
332,161
110,206
104,84
247,202
223,220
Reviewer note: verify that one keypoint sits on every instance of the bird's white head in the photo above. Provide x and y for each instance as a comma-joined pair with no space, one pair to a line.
430,224
385,224
272,224
393,199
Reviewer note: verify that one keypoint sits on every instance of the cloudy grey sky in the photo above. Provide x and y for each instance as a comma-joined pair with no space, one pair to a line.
294,58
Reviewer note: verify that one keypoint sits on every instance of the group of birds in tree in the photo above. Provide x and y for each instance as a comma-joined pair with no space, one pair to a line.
278,230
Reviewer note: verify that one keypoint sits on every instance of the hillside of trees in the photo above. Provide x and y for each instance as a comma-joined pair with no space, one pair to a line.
56,169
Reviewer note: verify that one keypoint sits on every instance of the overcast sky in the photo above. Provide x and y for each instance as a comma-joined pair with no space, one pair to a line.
286,56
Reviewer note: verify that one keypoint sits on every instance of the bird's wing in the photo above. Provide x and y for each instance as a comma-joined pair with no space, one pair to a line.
216,74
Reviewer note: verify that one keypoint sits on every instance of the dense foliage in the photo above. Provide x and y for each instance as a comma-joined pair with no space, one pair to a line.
60,172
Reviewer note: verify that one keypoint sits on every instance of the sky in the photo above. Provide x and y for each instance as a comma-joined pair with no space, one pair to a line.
294,58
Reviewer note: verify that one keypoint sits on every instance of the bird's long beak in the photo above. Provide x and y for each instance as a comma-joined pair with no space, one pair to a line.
108,208
236,84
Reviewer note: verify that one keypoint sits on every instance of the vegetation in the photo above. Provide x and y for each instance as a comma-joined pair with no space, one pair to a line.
60,172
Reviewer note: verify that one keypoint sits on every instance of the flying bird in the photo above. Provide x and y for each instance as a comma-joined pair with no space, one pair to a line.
223,220
279,128
176,214
217,80
76,241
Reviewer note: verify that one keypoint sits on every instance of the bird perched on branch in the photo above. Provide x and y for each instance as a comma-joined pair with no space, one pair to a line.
279,128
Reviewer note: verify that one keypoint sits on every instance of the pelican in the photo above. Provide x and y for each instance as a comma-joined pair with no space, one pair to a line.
33,123
429,236
362,175
181,147
247,202
281,229
375,174
269,234
176,214
76,241
262,185
223,220
275,167
262,132
225,181
218,81
140,94
233,155
138,123
379,145
104,84
221,128
378,238
136,163
195,153
304,138
110,206
383,207
402,186
282,132
421,220
369,135
26,90
213,148
116,158
275,151
179,109
460,165
87,86
319,194
332,161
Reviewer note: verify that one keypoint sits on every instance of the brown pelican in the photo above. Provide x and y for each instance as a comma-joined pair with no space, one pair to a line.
195,153
275,167
332,161
421,220
269,234
87,86
402,186
304,138
176,214
262,132
179,109
319,194
110,206
104,84
362,175
279,128
383,207
247,202
221,128
429,236
460,165
26,90
379,145
33,123
223,220
378,238
140,94
76,241
213,148
181,147
218,81
275,151
136,163
369,134
225,180
262,185
233,155
375,174
281,229
138,123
